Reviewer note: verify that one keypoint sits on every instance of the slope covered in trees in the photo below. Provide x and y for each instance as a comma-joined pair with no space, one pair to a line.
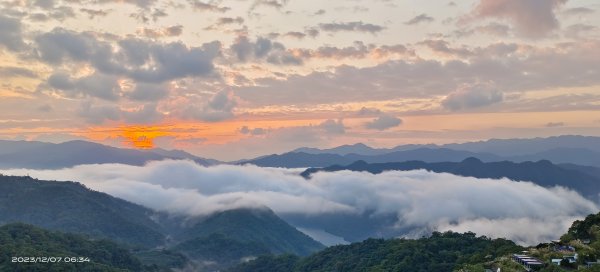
440,252
71,207
21,240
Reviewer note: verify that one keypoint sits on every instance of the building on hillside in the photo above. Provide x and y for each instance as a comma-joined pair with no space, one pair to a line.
529,263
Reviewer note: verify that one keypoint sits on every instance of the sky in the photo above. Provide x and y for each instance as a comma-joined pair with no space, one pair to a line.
236,79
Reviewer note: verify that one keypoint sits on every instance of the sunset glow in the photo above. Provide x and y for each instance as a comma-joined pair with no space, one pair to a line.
259,77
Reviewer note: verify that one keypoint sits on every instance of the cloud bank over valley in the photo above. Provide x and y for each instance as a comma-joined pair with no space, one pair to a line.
418,201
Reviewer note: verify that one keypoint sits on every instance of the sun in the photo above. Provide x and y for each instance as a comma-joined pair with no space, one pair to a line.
142,137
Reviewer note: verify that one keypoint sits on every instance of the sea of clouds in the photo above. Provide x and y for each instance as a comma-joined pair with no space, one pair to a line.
520,211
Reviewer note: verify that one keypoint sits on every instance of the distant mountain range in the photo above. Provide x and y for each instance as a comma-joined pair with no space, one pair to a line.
213,240
39,155
301,160
584,180
577,150
500,147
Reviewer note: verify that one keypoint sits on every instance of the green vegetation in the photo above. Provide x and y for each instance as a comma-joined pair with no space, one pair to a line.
71,207
583,237
440,252
221,250
163,259
21,240
255,226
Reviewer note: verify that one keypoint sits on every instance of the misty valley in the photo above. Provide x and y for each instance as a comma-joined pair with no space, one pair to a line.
464,207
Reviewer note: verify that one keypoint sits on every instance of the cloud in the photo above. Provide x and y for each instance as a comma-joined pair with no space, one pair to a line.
384,122
11,33
98,114
145,114
149,92
419,201
144,4
579,31
555,124
95,85
423,18
358,50
578,11
93,13
333,127
229,20
443,47
211,6
364,111
472,96
219,107
255,131
262,48
11,71
531,18
357,26
171,31
137,59
278,4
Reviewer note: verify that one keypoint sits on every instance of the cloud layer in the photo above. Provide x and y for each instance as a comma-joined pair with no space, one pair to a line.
419,200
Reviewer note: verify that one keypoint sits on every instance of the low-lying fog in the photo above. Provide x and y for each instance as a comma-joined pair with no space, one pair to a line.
521,211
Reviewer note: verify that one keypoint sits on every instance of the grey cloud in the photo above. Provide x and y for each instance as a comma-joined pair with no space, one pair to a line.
295,34
144,4
11,33
333,126
358,26
578,11
383,122
532,18
45,108
219,107
149,92
472,96
93,13
47,4
254,131
441,46
515,67
278,4
230,20
98,114
357,50
555,124
364,111
492,29
60,44
419,201
11,71
263,48
422,18
137,59
95,85
144,15
212,6
578,31
147,114
44,10
171,31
